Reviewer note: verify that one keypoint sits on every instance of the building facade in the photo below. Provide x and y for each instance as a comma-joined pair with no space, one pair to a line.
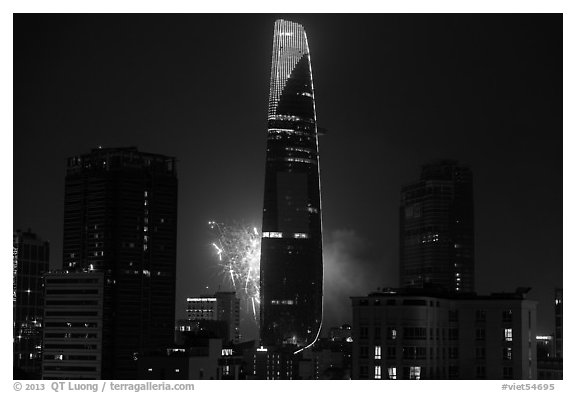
229,312
120,218
30,260
291,272
412,334
222,306
437,229
558,306
198,361
202,308
76,335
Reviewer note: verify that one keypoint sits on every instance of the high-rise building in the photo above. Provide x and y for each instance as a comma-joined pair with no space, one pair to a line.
76,335
202,308
558,337
413,333
291,271
120,218
437,229
30,260
229,312
222,306
545,347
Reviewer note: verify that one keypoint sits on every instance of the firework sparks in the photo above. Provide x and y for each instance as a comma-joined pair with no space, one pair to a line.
238,250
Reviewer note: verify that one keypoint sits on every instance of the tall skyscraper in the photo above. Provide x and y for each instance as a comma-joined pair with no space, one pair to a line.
30,261
120,218
437,229
291,272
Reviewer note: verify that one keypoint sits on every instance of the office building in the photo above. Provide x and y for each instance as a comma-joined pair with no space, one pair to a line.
76,334
545,347
229,312
120,218
187,329
196,361
291,272
437,229
202,308
29,261
329,358
551,368
416,334
272,363
222,306
558,305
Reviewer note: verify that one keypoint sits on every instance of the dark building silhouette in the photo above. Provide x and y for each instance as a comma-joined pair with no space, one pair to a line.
229,311
545,347
30,260
190,328
558,305
437,229
120,219
291,259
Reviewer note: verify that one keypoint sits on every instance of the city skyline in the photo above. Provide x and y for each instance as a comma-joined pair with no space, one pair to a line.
439,87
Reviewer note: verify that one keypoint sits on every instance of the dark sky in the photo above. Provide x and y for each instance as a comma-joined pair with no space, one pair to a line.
394,92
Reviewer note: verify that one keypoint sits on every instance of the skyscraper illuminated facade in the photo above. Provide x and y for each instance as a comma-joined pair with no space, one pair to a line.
437,229
291,272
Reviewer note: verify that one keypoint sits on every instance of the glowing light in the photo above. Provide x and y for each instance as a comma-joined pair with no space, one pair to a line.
238,249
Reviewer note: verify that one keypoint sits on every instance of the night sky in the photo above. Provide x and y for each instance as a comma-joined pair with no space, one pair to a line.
393,91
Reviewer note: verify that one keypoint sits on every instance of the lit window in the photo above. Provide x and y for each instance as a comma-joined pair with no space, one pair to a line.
176,370
301,236
272,234
377,372
508,334
377,352
391,372
415,372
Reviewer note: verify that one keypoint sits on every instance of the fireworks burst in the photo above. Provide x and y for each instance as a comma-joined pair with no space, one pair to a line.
238,250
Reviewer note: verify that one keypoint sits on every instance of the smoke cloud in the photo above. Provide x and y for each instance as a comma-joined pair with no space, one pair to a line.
351,268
